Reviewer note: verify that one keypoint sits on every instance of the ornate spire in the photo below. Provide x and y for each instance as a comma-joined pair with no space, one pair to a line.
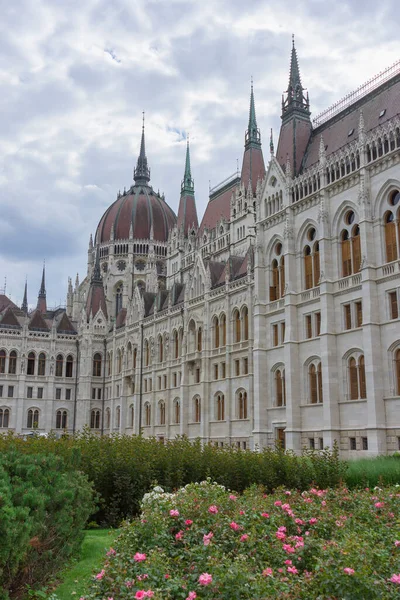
271,143
253,136
295,98
41,303
96,275
142,172
24,305
187,186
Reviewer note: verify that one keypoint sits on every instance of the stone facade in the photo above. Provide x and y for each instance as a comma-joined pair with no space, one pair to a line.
274,320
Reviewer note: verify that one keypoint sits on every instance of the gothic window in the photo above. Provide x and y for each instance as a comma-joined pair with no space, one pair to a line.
277,285
200,339
97,365
161,412
4,417
95,419
353,379
220,407
42,364
61,419
160,349
245,320
223,329
236,325
12,363
31,364
356,242
197,409
110,361
350,245
118,298
397,370
134,357
315,393
33,418
216,332
176,344
357,383
177,411
313,384
308,268
119,361
316,264
346,254
147,414
280,387
361,375
390,237
242,405
118,416
2,361
69,366
59,365
192,336
146,353
131,415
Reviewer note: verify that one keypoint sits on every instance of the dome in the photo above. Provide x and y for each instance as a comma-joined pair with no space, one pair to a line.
143,209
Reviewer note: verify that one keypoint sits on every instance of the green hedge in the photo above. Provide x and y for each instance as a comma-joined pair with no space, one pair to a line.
44,506
123,468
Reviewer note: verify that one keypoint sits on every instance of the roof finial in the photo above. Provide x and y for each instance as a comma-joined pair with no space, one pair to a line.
271,143
187,186
292,40
41,304
295,97
142,172
24,305
252,133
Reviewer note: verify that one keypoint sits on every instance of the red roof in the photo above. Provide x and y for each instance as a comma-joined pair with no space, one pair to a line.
96,300
187,213
142,208
5,302
293,139
253,167
218,206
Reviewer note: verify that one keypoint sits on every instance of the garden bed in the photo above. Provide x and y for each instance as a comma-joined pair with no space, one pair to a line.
205,542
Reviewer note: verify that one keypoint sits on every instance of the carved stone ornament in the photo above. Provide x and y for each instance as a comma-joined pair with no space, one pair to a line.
152,348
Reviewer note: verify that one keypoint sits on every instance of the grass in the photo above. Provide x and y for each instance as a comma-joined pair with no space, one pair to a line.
77,577
368,472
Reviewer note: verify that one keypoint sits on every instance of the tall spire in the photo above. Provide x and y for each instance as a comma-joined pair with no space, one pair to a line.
295,98
24,305
41,303
142,172
96,275
187,186
253,136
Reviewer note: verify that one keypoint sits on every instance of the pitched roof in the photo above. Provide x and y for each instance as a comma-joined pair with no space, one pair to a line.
218,206
9,319
65,325
96,300
37,322
5,302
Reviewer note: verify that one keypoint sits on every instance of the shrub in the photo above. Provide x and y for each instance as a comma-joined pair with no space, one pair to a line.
43,510
205,542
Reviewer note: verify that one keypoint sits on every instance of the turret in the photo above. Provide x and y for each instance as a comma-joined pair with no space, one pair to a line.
41,303
253,167
187,213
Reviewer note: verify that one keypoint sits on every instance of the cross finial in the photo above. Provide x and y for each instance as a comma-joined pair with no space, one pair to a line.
143,119
293,40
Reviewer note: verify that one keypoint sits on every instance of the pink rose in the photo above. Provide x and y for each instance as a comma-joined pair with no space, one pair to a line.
205,579
192,596
397,543
140,594
299,521
348,571
139,557
278,503
241,512
379,504
174,513
149,594
244,537
179,535
100,575
111,552
188,522
288,548
232,497
213,509
280,535
312,521
234,526
292,570
207,538
395,579
267,572
265,515
288,562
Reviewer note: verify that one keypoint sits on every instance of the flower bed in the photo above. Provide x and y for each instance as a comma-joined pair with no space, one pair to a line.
206,542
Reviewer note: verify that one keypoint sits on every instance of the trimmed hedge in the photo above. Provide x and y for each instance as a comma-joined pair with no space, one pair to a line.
44,506
123,468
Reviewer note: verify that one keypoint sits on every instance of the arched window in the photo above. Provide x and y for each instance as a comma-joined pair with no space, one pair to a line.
199,339
97,365
282,276
319,382
69,366
242,405
277,285
192,336
361,374
313,384
61,419
236,325
119,361
223,329
59,365
160,349
161,412
245,319
131,415
31,364
353,379
308,268
33,418
12,363
356,241
177,412
118,298
350,242
280,387
147,414
42,364
176,344
95,419
134,357
216,332
390,237
346,253
118,416
4,417
274,288
397,370
146,353
2,361
220,407
197,409
108,418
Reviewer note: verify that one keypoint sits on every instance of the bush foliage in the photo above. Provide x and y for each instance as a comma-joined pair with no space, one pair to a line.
205,542
43,509
123,468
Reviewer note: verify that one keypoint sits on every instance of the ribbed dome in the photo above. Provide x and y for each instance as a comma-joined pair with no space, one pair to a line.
142,207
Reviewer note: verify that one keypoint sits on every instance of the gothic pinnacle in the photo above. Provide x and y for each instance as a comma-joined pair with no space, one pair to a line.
141,173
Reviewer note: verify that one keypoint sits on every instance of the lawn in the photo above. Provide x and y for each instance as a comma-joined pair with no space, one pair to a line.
77,578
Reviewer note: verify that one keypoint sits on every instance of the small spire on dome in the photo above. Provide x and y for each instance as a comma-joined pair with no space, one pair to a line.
295,97
187,186
141,174
252,133
24,305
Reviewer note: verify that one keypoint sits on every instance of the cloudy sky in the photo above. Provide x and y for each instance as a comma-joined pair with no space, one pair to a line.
75,77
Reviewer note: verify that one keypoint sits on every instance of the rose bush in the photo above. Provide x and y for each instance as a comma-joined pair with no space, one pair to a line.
205,542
